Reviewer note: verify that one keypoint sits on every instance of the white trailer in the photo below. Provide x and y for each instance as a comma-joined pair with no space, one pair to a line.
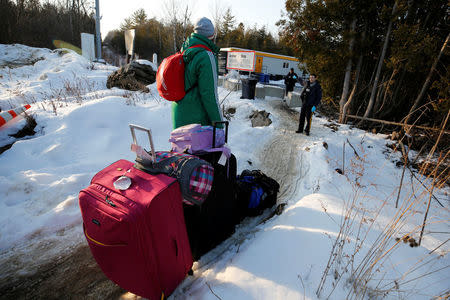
263,62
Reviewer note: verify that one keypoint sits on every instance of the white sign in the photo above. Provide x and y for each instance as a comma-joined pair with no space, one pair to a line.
129,41
241,60
87,46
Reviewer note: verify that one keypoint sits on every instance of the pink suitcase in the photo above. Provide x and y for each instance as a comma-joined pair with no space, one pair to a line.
137,235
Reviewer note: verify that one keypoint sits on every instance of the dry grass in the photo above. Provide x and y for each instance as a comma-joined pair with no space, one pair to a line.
367,266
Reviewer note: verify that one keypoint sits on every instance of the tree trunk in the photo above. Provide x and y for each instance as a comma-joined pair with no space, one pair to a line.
186,21
69,11
355,87
348,71
366,95
394,72
427,81
174,36
399,85
159,38
381,89
217,15
171,10
380,64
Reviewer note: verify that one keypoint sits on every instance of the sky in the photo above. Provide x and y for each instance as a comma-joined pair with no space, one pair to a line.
263,12
82,127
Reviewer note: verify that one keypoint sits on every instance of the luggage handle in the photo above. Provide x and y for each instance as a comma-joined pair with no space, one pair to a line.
149,133
214,131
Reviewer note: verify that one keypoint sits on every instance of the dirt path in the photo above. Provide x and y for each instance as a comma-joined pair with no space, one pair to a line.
77,276
74,276
280,156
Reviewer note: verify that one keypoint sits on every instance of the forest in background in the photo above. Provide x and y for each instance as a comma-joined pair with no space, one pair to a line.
166,37
38,24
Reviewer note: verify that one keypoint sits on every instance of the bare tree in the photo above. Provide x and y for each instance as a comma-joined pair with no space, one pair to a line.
186,19
380,64
171,9
217,11
356,81
179,15
348,71
427,81
355,87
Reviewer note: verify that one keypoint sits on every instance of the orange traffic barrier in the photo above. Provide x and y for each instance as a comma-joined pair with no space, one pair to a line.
7,116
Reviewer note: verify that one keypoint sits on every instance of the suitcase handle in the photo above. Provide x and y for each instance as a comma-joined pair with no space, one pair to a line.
149,133
214,131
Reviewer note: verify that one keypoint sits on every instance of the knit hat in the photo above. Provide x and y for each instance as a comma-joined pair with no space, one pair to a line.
204,26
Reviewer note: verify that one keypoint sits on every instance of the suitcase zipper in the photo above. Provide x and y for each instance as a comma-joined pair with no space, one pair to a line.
99,243
113,194
107,199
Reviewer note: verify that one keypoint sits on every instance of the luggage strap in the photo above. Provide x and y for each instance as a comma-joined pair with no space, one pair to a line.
163,166
186,166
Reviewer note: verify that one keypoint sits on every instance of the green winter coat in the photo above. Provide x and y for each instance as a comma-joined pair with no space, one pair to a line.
201,103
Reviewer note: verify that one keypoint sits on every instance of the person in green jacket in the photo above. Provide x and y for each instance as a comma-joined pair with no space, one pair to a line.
200,105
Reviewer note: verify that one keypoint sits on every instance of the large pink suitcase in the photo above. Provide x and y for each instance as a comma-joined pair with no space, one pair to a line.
137,235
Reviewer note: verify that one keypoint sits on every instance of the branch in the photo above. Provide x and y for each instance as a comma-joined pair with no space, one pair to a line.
397,124
213,291
428,79
356,153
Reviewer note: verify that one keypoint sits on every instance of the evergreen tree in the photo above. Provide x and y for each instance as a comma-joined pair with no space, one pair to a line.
226,27
139,17
37,24
374,56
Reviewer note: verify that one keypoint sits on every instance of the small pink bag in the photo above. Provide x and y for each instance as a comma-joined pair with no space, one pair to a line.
195,138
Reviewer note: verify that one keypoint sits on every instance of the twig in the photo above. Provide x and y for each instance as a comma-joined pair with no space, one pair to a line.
428,207
425,187
213,291
445,295
221,101
304,290
343,159
354,150
433,149
154,96
405,156
426,274
438,246
325,210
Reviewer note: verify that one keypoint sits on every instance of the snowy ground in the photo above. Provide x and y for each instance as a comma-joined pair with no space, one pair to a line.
336,236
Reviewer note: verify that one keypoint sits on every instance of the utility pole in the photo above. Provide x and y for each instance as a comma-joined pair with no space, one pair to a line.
97,29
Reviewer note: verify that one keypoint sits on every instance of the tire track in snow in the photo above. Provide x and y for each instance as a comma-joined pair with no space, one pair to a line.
280,157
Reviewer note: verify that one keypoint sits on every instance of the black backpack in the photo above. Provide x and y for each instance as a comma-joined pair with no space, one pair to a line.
256,192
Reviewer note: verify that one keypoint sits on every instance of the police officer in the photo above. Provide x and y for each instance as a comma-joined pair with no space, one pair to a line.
289,80
311,96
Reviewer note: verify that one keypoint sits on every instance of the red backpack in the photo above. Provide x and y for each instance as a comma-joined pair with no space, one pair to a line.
170,76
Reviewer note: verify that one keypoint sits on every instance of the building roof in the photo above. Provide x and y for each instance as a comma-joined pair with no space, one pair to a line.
261,53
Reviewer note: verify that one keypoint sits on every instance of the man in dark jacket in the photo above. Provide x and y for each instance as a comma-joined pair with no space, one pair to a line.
200,105
289,80
311,96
